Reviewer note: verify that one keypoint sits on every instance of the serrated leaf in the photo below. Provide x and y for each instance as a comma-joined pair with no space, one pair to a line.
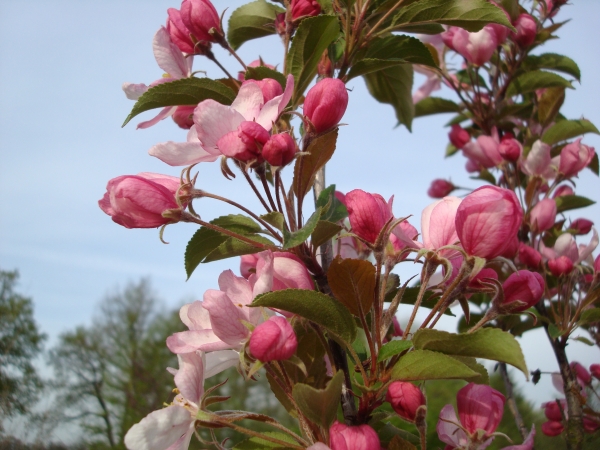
324,231
320,405
472,15
394,87
391,51
568,202
537,79
450,150
274,218
425,28
202,243
336,210
314,306
435,105
187,91
250,21
387,432
590,316
320,150
567,129
393,348
428,365
258,443
238,223
553,61
234,247
313,36
352,282
487,343
293,239
474,365
262,72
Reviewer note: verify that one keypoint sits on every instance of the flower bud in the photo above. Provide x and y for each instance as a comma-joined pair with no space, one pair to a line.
553,411
538,161
405,399
480,407
583,376
590,424
484,150
560,266
477,48
458,136
273,340
529,256
280,24
597,264
526,30
180,35
440,188
487,220
305,8
279,150
270,88
183,116
361,437
510,149
139,201
200,16
574,157
595,371
563,190
242,144
552,428
581,226
325,104
368,213
543,215
523,286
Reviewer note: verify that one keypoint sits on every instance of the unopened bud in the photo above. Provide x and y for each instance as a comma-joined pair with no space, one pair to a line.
440,188
406,399
459,136
273,340
582,226
326,103
560,266
279,150
526,30
510,149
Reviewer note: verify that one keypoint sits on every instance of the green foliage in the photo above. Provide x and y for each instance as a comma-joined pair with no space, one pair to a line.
428,365
435,105
534,80
568,202
320,405
552,61
251,21
295,238
393,348
20,343
567,129
333,209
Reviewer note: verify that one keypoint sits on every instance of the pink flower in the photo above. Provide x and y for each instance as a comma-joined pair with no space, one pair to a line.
524,287
284,270
581,226
527,444
477,48
361,437
405,398
200,16
183,116
279,150
487,221
139,201
325,104
269,87
529,256
484,150
526,30
566,246
438,223
368,213
539,161
563,190
595,370
180,35
560,266
459,136
552,410
440,188
552,428
273,340
543,215
582,374
510,149
220,129
304,8
574,157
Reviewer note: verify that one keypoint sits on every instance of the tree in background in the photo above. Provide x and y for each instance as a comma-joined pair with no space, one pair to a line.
20,343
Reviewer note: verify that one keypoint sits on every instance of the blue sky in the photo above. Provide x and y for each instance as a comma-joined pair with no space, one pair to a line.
62,63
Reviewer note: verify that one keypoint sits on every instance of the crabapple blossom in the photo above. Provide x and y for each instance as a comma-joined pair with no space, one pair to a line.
539,161
526,30
405,398
560,266
510,149
552,428
574,157
273,340
543,215
529,256
279,150
200,17
477,48
325,104
179,33
581,373
581,226
524,287
361,437
269,87
285,270
368,213
305,8
595,371
458,136
440,188
183,116
484,151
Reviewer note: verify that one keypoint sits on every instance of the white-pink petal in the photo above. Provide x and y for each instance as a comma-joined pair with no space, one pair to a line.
134,91
189,379
184,153
217,362
162,429
190,341
273,108
214,120
226,318
163,114
168,56
248,101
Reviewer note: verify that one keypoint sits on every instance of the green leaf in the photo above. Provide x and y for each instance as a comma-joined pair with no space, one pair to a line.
553,61
549,104
262,72
584,340
203,242
567,129
313,36
314,306
274,218
394,87
479,368
393,348
320,405
323,232
234,247
554,331
594,164
397,443
568,202
590,316
435,105
320,150
472,15
250,21
257,443
352,282
333,209
391,51
428,365
488,343
293,239
238,223
187,91
537,79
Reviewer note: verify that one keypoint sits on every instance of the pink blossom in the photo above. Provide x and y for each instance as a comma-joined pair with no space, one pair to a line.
404,235
368,213
581,226
325,104
440,188
459,136
477,48
438,223
552,410
574,157
527,444
543,215
590,424
361,437
529,256
484,150
582,374
510,149
565,245
179,33
269,87
539,161
139,201
273,340
487,221
552,428
279,150
560,266
200,16
183,116
284,269
405,398
526,30
217,125
305,8
524,287
563,190
595,371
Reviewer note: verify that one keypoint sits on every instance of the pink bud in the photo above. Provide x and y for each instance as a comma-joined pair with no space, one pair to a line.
523,286
487,220
273,340
243,143
405,399
590,424
543,215
368,213
440,188
597,264
200,16
286,270
477,48
180,35
574,157
280,24
325,103
458,136
279,150
270,88
552,410
248,265
529,256
138,201
581,226
255,63
510,149
563,190
183,116
560,266
484,150
305,8
526,30
477,280
583,376
538,161
361,437
552,428
480,407
595,371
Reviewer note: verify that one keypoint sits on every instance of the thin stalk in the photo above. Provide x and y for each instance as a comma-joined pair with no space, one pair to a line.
267,189
428,270
255,189
277,196
510,399
212,57
266,437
